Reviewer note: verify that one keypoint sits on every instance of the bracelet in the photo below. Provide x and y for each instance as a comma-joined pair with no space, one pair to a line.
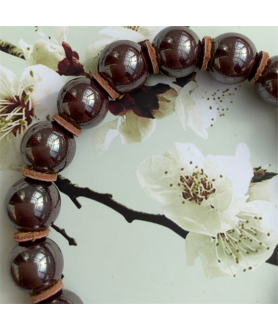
33,203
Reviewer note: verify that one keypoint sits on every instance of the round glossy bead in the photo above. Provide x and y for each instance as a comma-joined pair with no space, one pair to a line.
48,146
267,85
32,205
63,297
123,65
36,266
83,101
234,58
178,51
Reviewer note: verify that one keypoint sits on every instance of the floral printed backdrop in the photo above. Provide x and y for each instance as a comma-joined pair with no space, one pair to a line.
201,153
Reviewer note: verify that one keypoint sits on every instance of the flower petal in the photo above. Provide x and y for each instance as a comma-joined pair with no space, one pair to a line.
166,103
48,54
119,32
232,211
266,229
46,85
266,190
201,245
105,134
187,156
254,239
9,84
92,54
199,219
10,155
134,129
264,209
28,52
60,33
238,168
192,112
221,200
155,176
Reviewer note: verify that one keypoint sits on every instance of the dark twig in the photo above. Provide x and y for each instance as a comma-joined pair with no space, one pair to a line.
63,233
73,192
11,49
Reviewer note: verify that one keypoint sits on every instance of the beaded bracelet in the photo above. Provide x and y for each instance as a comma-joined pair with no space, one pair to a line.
33,203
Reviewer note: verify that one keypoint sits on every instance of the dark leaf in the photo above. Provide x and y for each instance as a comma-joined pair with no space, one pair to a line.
143,101
63,66
70,66
266,176
68,50
75,54
185,80
76,67
116,107
160,88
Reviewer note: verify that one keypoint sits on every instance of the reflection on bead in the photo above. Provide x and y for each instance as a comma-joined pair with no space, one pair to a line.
63,297
267,85
48,146
36,266
234,58
83,101
178,51
32,205
123,65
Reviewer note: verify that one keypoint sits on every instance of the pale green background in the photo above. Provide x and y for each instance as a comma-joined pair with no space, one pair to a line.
117,262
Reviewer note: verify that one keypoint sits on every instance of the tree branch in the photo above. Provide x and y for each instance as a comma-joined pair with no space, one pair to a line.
63,233
11,49
74,191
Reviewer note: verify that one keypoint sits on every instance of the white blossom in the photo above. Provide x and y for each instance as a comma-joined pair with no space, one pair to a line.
130,127
192,111
60,34
48,52
133,128
22,103
202,102
200,194
245,247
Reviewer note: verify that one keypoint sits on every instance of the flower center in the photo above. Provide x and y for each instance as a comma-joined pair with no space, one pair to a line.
134,28
197,187
16,113
236,244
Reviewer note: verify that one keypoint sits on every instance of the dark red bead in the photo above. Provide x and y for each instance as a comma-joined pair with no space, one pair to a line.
123,65
234,58
267,85
36,266
63,297
48,146
178,50
83,101
32,205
